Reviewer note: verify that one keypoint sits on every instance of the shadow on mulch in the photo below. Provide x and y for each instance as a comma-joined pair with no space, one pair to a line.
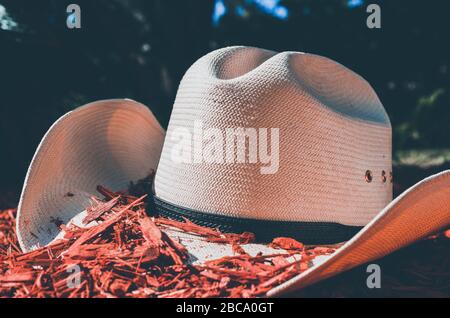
420,270
406,176
8,200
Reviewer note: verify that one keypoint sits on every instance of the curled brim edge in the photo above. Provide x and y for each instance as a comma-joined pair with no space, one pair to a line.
90,141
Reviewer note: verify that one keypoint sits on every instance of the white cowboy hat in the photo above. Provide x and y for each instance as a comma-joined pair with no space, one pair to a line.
329,177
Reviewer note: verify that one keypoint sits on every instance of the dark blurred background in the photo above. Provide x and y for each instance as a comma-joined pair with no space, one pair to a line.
140,49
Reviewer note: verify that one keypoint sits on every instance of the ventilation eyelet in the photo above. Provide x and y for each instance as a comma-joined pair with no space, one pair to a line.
369,176
383,176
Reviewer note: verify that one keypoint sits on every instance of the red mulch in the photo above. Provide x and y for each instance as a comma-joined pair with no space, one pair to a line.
127,255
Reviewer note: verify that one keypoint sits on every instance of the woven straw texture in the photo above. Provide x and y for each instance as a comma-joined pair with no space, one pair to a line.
332,127
418,212
106,143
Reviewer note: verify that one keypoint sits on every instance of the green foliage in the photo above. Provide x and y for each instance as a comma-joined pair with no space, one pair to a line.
428,125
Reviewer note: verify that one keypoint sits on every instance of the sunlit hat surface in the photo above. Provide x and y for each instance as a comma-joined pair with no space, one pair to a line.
329,178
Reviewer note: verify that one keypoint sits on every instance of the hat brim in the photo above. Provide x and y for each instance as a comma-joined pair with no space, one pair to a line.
418,212
114,142
109,142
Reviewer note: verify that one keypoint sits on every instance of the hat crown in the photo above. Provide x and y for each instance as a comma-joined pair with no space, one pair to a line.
331,83
334,140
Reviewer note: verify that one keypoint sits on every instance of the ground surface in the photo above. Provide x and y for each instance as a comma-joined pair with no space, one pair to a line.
420,270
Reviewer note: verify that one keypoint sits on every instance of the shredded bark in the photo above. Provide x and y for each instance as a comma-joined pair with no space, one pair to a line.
126,253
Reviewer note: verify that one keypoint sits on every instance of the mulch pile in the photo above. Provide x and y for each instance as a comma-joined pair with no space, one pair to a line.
127,254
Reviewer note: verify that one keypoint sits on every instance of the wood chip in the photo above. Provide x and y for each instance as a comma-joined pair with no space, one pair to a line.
128,254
